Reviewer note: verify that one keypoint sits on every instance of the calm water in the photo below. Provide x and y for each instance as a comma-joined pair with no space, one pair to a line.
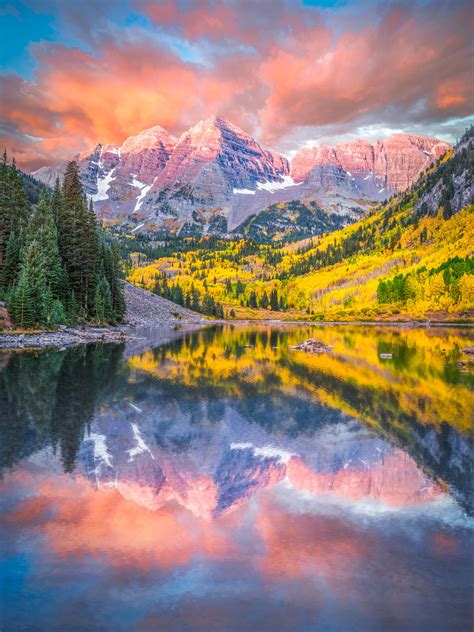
226,482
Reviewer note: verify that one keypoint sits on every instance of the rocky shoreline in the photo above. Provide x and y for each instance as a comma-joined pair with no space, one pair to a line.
144,310
64,337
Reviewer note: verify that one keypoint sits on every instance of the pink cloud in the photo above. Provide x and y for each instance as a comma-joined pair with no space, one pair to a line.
273,69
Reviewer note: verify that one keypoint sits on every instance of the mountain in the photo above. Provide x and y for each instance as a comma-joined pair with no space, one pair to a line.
409,258
290,221
387,166
215,176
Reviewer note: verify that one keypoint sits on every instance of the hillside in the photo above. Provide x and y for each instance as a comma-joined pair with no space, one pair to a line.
411,258
33,187
292,221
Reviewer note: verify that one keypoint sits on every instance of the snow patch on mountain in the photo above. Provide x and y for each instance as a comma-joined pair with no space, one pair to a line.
243,192
103,185
144,190
271,187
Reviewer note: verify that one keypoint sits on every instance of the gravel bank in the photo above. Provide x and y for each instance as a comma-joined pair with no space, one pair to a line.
145,309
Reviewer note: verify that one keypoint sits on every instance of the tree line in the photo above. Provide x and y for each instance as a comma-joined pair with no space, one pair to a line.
56,263
203,303
453,278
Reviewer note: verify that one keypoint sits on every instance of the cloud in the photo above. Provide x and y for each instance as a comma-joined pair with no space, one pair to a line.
283,72
409,67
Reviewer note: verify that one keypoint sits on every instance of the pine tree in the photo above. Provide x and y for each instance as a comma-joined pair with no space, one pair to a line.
14,207
195,297
21,303
264,300
56,202
75,233
90,254
53,310
34,265
42,228
104,312
274,300
110,267
208,306
51,261
11,264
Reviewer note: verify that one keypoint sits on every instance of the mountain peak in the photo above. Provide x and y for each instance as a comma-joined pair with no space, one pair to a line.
152,136
395,162
217,125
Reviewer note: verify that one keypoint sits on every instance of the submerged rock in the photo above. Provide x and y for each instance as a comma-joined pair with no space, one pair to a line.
313,346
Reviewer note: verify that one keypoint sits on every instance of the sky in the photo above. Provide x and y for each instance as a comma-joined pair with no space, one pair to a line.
292,73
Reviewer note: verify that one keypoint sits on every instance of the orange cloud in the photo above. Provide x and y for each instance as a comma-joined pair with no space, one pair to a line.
401,63
274,68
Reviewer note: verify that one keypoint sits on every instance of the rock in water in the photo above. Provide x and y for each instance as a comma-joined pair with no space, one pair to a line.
313,346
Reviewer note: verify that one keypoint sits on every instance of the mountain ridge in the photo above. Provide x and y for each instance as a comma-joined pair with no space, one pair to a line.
214,176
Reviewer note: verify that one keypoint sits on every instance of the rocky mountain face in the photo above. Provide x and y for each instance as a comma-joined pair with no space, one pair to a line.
215,176
387,166
451,185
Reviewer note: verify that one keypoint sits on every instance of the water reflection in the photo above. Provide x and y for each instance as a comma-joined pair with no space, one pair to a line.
225,482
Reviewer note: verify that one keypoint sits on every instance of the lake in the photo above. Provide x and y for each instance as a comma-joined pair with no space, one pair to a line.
225,482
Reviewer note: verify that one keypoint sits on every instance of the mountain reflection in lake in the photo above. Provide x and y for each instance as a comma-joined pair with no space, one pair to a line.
226,482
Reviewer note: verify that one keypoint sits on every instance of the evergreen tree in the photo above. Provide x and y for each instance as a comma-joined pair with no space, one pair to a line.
218,310
56,202
54,312
14,211
42,228
264,301
21,304
34,266
194,304
78,240
274,304
208,306
51,261
11,264
103,302
110,269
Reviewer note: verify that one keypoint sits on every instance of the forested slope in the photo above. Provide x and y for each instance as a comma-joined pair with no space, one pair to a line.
411,258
